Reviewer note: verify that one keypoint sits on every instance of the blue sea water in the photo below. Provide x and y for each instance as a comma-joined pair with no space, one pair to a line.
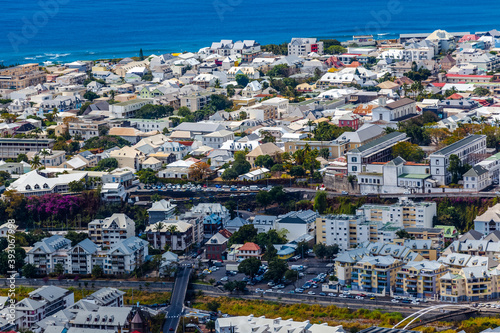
67,30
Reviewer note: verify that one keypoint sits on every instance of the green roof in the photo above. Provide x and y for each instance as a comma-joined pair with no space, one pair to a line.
448,230
132,101
493,157
414,175
376,142
457,145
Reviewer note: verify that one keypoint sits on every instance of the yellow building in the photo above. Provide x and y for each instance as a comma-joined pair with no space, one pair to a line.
470,284
420,278
375,274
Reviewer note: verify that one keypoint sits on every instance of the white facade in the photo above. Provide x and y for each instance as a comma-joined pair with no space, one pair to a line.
127,109
216,139
304,46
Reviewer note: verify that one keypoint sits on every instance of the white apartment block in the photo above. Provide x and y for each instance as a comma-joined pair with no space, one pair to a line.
148,125
280,104
216,139
127,109
395,110
468,150
304,46
47,253
124,257
404,214
111,230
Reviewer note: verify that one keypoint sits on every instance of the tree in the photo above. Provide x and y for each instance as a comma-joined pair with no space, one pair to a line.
270,253
264,161
292,276
249,267
408,151
210,325
29,271
267,137
90,95
276,270
106,164
456,168
35,162
297,171
230,286
480,91
76,237
243,235
22,158
320,203
59,269
325,251
151,111
242,80
229,174
183,111
325,153
76,186
97,272
403,234
213,306
264,199
199,171
147,176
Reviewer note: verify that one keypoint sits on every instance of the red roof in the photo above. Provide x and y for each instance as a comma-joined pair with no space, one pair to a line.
468,38
226,233
413,163
186,143
264,95
249,247
455,96
465,76
439,85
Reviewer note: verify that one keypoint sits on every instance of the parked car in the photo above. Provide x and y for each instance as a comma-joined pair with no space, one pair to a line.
311,293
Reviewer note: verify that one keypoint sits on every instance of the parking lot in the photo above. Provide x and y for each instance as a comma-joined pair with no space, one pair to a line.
310,282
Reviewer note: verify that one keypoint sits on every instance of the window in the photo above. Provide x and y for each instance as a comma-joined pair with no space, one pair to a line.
354,159
354,168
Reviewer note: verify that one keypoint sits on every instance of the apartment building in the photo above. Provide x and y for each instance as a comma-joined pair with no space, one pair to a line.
127,109
148,125
124,257
375,274
470,284
85,129
71,79
80,257
52,158
54,298
216,139
378,150
12,147
469,150
281,105
22,76
304,46
177,235
262,112
336,148
404,214
476,179
489,221
111,230
195,101
107,297
161,210
47,253
216,247
421,246
420,279
128,157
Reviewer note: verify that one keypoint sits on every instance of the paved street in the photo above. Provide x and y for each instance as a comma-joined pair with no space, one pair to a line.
174,311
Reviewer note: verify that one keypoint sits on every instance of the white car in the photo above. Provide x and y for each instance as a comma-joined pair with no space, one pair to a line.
415,302
360,297
394,300
259,290
311,293
332,295
224,278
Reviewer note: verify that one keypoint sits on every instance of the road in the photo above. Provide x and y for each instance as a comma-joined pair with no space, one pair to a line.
174,310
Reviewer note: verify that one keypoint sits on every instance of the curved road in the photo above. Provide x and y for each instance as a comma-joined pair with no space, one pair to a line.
174,310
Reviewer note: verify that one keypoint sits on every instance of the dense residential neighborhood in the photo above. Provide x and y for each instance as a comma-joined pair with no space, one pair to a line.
314,171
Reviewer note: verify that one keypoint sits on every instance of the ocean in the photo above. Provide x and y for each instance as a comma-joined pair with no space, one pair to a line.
68,30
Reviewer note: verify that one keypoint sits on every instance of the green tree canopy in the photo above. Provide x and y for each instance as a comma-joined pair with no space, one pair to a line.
408,151
249,267
320,203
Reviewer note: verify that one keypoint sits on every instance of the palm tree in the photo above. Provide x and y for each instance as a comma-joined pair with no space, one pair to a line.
172,228
35,162
310,123
44,153
159,226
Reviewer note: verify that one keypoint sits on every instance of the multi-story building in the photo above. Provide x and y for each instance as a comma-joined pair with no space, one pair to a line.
107,297
195,101
281,105
111,230
71,79
124,257
47,253
422,247
161,210
375,274
12,147
80,257
262,112
420,279
304,46
32,183
148,125
489,221
216,139
177,235
404,214
22,76
476,179
336,148
249,250
123,176
51,158
85,129
54,298
469,150
216,247
470,284
127,109
128,157
378,150
393,111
